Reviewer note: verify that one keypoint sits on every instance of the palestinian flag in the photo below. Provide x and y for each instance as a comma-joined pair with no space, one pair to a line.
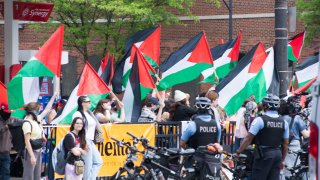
140,83
305,87
307,70
187,63
225,59
25,86
148,42
106,69
90,84
295,46
252,76
3,94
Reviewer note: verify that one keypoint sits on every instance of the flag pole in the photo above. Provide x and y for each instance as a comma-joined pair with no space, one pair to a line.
57,87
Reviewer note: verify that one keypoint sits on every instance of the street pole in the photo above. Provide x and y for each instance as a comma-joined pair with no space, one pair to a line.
230,20
281,45
11,38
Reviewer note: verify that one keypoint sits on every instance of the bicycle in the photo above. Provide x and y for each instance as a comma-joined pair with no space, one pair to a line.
242,169
175,159
146,170
128,166
299,171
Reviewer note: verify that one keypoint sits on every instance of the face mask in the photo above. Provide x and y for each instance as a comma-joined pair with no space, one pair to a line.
108,108
154,108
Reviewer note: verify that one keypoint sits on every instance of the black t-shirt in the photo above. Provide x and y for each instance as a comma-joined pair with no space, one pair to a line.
183,113
68,144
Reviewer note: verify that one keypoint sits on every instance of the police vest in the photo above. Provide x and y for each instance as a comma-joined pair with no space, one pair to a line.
206,133
272,132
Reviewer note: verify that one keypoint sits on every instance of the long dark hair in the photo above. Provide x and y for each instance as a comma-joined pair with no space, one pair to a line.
99,108
174,106
82,132
81,99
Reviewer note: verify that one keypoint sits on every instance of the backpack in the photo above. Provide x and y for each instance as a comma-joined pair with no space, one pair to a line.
18,135
208,165
59,159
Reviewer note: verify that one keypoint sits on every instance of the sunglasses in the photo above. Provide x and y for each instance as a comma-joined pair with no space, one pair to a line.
87,101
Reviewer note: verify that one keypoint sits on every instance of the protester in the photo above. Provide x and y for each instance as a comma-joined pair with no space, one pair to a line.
117,112
214,96
250,113
5,143
180,110
151,104
75,145
57,107
92,158
290,111
102,111
241,130
34,138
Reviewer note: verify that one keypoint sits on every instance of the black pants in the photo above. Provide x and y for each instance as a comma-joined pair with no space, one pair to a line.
268,167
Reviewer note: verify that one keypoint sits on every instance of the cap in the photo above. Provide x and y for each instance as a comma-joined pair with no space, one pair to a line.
153,100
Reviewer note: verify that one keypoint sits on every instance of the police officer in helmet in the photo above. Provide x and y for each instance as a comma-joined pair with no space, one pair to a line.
270,133
203,129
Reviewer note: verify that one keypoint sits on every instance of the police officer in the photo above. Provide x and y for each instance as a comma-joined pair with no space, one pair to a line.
271,135
203,129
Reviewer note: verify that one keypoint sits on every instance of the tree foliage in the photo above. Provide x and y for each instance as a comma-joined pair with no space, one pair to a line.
309,13
110,22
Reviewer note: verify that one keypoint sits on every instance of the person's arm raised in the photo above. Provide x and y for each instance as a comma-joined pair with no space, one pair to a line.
49,106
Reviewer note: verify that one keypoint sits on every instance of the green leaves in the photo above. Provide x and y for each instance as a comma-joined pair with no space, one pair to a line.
106,24
308,12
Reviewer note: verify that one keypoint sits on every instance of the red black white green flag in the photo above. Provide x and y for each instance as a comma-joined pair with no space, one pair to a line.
106,69
295,46
148,42
91,85
225,59
252,76
140,83
25,86
307,70
187,63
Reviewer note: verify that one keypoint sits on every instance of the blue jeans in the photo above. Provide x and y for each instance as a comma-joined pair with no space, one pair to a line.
93,162
5,162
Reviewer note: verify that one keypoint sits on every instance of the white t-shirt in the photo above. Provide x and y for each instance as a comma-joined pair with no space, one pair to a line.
91,124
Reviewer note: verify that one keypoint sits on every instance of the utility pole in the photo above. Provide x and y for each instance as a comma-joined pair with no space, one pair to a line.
229,7
281,45
11,38
230,20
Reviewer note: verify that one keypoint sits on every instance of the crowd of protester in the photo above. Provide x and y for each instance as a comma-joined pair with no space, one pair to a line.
80,142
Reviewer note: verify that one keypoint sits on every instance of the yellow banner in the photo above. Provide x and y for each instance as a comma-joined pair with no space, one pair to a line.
112,155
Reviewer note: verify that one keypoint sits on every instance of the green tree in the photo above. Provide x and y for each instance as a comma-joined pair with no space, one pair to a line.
110,22
308,12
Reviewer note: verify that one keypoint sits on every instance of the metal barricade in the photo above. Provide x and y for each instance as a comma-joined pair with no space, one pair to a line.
47,168
168,134
227,136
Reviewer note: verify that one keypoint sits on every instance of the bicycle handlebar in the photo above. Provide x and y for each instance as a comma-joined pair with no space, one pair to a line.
133,136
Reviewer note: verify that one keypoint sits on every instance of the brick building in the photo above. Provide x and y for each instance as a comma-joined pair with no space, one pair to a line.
254,17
